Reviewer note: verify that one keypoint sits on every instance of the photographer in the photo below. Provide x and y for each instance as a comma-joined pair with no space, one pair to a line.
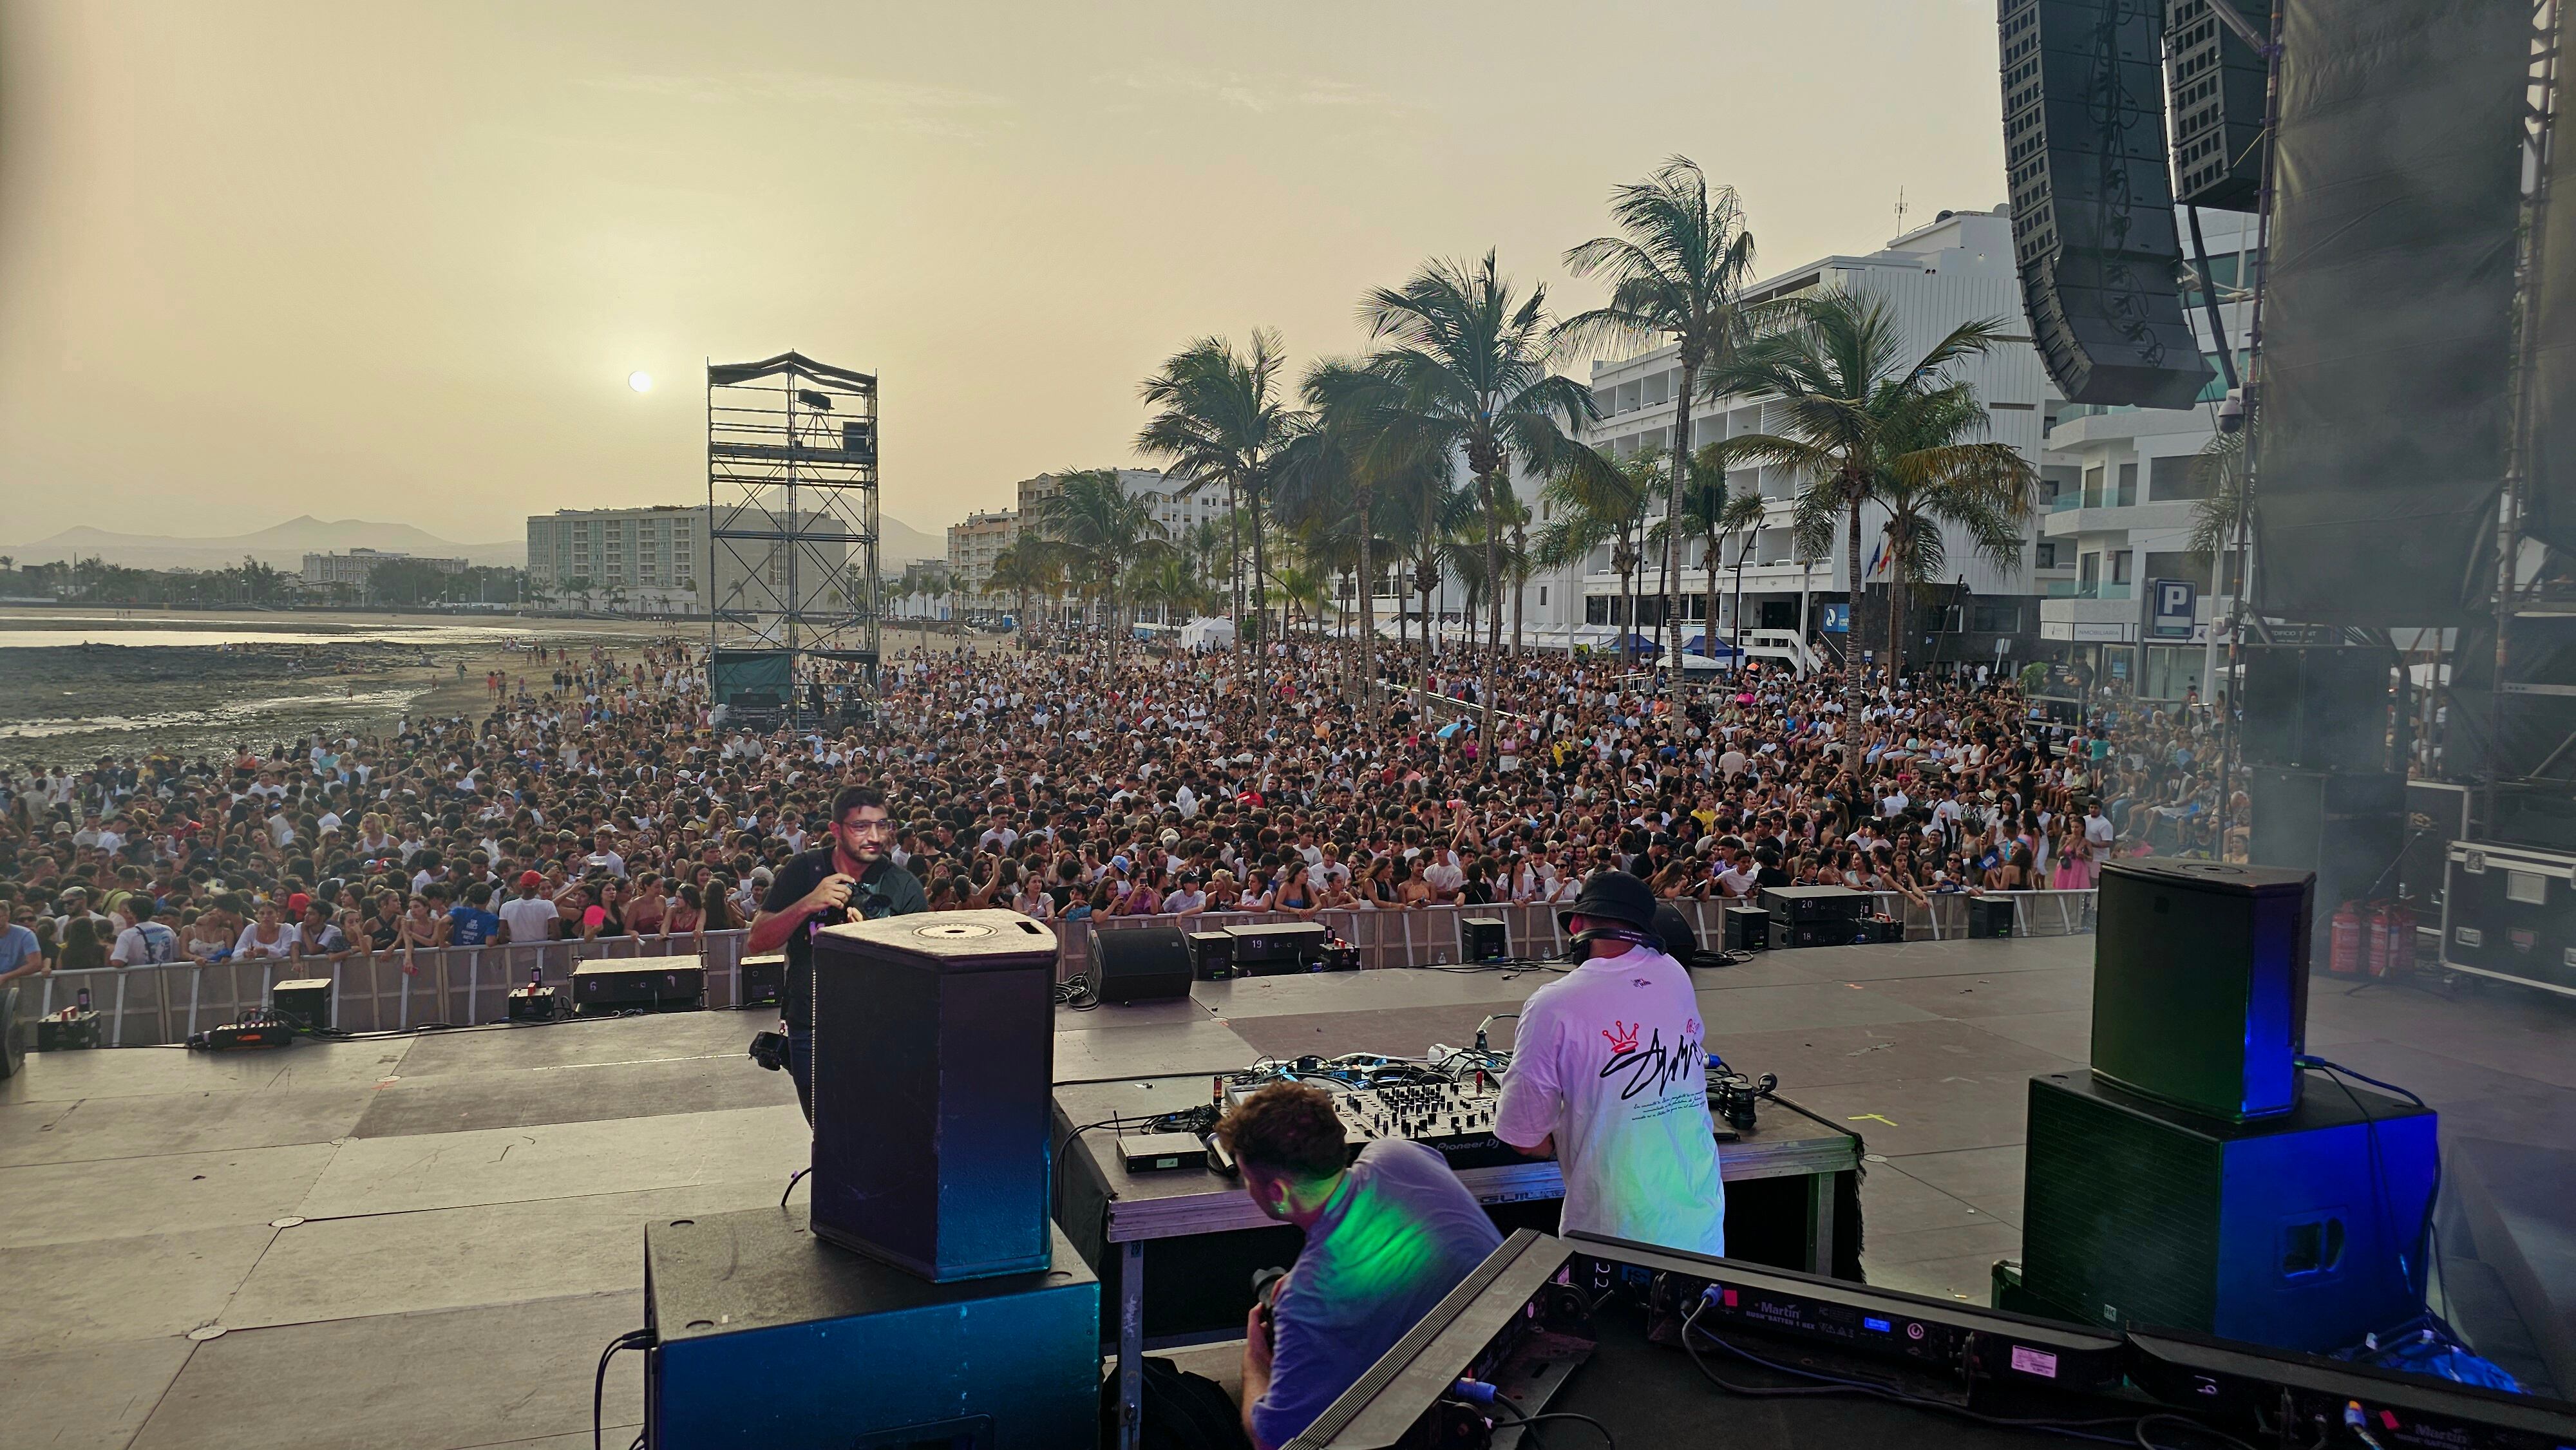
849,877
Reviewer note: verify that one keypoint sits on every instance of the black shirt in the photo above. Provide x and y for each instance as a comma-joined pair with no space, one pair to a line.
886,890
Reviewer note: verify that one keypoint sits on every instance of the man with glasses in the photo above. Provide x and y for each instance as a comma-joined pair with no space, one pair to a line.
849,876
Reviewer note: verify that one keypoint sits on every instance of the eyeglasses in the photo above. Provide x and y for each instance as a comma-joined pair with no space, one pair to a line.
869,828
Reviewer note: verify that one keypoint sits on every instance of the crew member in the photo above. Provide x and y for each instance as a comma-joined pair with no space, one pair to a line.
1387,1235
849,877
1608,1075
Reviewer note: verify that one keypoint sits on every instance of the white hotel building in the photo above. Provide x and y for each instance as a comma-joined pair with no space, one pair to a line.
1957,268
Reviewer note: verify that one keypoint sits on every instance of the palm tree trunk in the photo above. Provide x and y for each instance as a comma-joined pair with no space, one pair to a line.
1260,575
1673,522
1493,612
1737,636
1520,585
1851,625
1708,605
1234,558
1900,598
1368,619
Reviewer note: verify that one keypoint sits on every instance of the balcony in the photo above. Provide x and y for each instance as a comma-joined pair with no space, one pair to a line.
2065,519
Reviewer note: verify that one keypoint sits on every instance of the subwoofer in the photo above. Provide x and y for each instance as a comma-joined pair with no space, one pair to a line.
1681,943
1143,964
934,1059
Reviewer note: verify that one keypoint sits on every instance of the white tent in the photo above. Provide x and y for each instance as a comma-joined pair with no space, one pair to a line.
1205,631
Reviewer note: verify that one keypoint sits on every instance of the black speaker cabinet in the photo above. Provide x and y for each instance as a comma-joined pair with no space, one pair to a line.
2318,707
1211,955
306,1002
1483,939
1140,964
2510,912
1681,942
657,984
1990,916
2539,813
765,1339
1279,946
2200,984
1816,903
13,1032
2437,813
2349,827
2301,1231
1748,929
934,1051
763,979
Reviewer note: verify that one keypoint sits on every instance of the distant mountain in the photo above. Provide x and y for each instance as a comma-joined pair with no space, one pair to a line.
284,546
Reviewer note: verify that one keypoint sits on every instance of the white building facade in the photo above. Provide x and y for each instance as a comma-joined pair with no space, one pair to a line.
1957,269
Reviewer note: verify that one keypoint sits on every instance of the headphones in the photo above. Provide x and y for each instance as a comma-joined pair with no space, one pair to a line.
1633,936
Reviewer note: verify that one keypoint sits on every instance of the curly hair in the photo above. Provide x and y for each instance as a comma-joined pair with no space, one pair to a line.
1286,1129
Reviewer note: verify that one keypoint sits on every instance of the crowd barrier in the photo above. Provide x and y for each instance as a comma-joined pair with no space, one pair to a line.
458,986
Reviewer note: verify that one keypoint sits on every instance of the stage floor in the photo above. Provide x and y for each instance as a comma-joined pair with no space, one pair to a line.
423,1243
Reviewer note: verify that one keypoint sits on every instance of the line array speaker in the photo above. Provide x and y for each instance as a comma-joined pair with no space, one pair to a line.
2214,86
2317,708
2092,201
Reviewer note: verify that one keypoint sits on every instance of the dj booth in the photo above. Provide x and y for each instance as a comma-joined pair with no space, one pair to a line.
1176,1247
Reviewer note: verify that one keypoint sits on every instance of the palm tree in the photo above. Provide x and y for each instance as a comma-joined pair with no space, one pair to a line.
1467,377
1849,396
1593,507
1102,529
1218,420
2219,469
1935,474
1018,570
1677,270
1741,515
1712,514
1352,456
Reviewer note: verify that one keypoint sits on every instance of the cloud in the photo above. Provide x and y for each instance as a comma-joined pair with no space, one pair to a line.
1261,95
909,106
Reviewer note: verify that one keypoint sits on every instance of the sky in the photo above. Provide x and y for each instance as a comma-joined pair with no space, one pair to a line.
397,261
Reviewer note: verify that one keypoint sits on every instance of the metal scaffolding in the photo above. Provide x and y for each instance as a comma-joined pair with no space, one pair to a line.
791,523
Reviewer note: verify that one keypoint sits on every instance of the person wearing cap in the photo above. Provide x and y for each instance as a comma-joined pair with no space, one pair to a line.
1608,1076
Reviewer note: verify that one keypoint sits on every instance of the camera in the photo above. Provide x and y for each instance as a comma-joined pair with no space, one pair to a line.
769,1049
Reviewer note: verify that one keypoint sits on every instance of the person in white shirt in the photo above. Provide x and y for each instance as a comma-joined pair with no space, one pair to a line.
1607,1075
2097,826
146,941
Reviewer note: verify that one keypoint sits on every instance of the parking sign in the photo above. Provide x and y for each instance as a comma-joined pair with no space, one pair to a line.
2176,601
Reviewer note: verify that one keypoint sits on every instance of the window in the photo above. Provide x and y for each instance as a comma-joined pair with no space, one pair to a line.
2047,555
2128,485
2093,487
2170,479
1994,618
2088,570
2120,566
1542,595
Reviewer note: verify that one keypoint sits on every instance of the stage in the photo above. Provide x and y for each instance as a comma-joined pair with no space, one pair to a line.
423,1243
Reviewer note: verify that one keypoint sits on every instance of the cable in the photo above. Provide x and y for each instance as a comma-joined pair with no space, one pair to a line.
2073,1429
1077,992
631,1339
2428,1240
1526,1421
792,1180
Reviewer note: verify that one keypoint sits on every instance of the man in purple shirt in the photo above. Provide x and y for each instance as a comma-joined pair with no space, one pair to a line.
1388,1234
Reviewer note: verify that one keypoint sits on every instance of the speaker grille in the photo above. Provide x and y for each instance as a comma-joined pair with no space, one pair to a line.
2121,1214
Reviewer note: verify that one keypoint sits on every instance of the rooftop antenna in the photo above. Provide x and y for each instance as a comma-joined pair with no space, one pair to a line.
1900,211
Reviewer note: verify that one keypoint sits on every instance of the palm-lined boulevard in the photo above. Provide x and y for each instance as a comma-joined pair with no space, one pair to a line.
1412,467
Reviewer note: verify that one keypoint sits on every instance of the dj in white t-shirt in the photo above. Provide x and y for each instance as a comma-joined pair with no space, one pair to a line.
1608,1072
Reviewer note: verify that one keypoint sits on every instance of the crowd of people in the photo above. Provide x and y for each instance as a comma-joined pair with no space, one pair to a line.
605,798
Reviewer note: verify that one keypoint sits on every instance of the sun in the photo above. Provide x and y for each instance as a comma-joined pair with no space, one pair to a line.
640,381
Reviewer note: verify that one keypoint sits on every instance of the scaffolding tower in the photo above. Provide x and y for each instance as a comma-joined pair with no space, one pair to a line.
791,531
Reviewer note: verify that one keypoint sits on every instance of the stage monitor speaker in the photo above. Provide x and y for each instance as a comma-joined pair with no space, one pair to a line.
13,1032
2094,233
1681,940
2317,707
1211,955
1141,964
1748,929
2214,88
934,1060
2388,300
2200,983
2437,813
1483,939
306,1002
2300,1231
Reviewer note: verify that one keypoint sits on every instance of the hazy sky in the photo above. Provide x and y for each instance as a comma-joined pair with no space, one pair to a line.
396,261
